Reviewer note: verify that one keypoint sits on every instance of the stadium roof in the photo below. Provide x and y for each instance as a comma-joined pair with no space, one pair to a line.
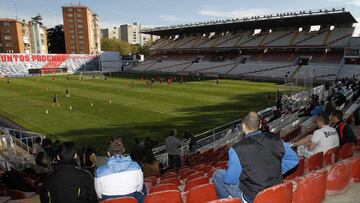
290,19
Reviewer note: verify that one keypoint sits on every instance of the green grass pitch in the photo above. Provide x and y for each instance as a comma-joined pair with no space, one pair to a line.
126,107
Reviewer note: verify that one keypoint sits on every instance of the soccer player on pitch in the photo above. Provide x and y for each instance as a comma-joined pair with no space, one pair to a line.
67,92
55,101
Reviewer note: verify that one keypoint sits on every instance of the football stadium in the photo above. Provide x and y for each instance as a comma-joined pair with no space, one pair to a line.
256,109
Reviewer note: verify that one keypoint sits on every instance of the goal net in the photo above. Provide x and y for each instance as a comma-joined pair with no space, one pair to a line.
91,75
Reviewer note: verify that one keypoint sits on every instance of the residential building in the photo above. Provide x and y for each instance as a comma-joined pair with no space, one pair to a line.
111,33
21,36
81,30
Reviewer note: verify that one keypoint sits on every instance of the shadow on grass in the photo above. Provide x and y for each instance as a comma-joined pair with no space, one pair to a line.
196,119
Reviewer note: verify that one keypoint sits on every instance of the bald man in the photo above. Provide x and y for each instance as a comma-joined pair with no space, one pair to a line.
255,163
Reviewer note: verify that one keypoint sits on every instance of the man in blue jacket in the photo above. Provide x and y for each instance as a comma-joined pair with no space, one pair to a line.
255,163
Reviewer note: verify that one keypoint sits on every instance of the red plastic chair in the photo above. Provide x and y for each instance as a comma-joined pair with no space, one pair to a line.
196,182
331,156
338,179
163,187
297,171
172,196
148,186
199,166
281,193
169,175
314,162
221,164
151,179
310,188
358,145
346,151
16,194
175,181
194,176
183,169
206,169
229,200
355,170
186,173
201,194
120,200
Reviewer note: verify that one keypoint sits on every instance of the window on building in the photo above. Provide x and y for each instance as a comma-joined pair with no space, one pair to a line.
70,20
71,31
70,9
72,36
8,37
0,44
73,52
7,31
8,44
79,26
79,20
82,52
70,15
80,31
71,25
72,42
81,42
81,37
73,47
78,10
78,15
6,23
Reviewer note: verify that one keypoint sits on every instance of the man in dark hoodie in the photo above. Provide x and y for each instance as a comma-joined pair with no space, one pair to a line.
68,183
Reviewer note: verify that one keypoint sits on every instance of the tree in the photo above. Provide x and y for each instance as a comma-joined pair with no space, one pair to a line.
116,45
145,50
56,39
37,19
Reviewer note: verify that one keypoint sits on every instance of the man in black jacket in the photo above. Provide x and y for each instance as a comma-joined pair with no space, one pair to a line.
68,183
344,130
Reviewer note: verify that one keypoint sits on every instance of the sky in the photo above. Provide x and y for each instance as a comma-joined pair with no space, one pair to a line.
165,12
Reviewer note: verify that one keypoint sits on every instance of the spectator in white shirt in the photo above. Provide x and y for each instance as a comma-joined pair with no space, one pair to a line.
172,148
321,140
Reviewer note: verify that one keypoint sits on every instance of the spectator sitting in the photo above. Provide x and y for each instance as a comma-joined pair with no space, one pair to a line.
90,159
36,147
68,183
42,164
120,176
137,152
321,140
151,166
172,145
344,130
317,109
255,163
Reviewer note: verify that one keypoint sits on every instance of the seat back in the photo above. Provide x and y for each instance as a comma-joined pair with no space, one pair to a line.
331,156
151,179
196,182
297,171
194,176
310,188
172,196
120,200
355,169
163,187
221,164
229,200
346,151
314,162
169,175
201,194
175,181
16,194
338,179
281,193
186,173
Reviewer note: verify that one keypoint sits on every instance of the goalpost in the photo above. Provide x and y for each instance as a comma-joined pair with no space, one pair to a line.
91,75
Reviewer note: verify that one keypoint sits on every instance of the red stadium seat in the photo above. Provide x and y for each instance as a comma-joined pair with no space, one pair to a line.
338,179
186,173
16,194
346,151
196,182
358,145
297,171
151,179
172,196
194,176
183,170
281,193
314,162
229,200
199,166
355,169
175,181
163,187
120,200
310,188
169,175
331,156
148,186
221,164
206,169
201,194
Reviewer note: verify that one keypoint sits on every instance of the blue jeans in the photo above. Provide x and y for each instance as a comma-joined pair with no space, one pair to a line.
225,190
139,196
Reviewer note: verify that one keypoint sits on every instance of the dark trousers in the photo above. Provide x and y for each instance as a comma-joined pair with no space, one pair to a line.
174,161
